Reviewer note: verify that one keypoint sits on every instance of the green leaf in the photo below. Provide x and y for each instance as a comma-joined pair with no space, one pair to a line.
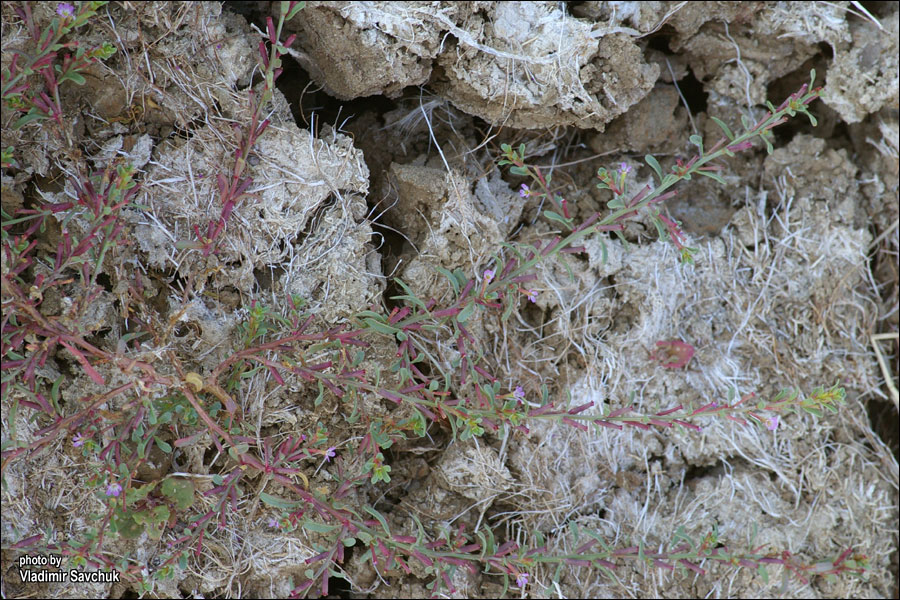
569,271
299,6
381,327
507,312
420,535
321,395
73,76
410,295
654,164
31,116
488,542
236,451
465,313
381,474
461,276
54,394
616,203
574,529
318,527
156,516
680,534
446,273
724,128
505,589
142,448
369,313
711,175
163,445
697,141
812,410
517,170
553,216
105,51
138,493
125,525
379,517
512,248
180,490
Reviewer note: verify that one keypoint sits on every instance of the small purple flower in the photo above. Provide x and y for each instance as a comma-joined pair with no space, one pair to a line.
772,423
519,392
624,168
273,522
532,296
113,489
522,580
524,191
65,10
488,275
330,453
78,441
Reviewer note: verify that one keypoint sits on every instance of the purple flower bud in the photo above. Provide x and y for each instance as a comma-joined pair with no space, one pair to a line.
522,580
519,392
113,489
742,146
330,453
624,168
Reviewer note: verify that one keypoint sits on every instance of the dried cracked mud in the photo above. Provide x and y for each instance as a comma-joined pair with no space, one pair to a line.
381,163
